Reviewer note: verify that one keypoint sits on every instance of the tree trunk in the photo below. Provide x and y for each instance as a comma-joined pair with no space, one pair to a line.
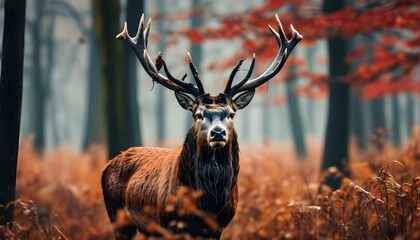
357,120
134,10
95,126
410,114
38,92
266,126
160,104
50,47
196,48
336,139
295,119
378,113
378,104
311,60
121,133
10,102
395,129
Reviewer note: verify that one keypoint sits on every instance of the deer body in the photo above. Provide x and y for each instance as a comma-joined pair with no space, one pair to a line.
143,180
147,177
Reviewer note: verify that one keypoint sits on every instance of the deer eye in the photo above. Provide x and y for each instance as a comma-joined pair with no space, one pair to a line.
231,115
199,116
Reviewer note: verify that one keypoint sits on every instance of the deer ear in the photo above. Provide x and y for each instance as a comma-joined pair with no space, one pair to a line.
244,99
185,101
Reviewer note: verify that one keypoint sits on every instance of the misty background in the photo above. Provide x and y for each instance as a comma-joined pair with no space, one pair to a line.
63,42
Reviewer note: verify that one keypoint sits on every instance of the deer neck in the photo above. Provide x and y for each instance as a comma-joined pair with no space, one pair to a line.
213,171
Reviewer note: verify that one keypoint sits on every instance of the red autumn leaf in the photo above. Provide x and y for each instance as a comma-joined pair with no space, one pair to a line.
249,44
195,36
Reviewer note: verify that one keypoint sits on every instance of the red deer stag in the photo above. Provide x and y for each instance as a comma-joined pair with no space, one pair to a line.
141,180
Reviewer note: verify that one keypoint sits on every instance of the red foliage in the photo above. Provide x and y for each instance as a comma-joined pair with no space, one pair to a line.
269,6
356,53
316,87
195,36
382,88
384,63
401,14
249,44
395,52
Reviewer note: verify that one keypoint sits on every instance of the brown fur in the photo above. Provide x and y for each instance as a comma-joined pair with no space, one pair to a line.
147,177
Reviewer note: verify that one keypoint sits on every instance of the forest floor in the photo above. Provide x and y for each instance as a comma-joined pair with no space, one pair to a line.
280,197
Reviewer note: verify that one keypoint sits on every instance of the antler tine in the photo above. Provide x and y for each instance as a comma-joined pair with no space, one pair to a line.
142,39
189,86
245,79
146,32
296,37
195,74
232,76
139,45
286,47
281,33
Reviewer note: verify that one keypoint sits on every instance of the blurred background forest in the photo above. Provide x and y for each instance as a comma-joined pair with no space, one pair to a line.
63,98
350,88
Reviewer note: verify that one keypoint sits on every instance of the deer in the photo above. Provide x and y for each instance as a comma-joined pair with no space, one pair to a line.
141,180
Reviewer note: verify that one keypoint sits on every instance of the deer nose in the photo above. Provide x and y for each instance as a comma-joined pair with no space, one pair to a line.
217,133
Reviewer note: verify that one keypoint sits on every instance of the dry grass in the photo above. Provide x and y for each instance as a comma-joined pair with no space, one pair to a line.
64,192
280,197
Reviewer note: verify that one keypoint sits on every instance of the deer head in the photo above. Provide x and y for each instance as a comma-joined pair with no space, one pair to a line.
213,115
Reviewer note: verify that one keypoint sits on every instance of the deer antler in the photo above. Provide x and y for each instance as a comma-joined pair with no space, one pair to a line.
139,45
286,47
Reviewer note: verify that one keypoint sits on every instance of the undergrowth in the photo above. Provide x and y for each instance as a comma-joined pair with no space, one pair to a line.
59,196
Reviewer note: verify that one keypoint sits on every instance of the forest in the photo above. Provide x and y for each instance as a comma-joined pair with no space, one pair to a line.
329,145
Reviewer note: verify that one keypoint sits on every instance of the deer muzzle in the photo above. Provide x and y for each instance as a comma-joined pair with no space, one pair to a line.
217,136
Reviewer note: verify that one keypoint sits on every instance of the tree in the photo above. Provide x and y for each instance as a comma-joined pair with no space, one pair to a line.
378,103
395,129
310,55
336,138
295,119
298,132
160,104
119,124
10,102
94,117
358,123
39,93
196,48
134,9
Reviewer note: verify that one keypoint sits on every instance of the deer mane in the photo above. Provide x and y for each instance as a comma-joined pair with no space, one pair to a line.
212,171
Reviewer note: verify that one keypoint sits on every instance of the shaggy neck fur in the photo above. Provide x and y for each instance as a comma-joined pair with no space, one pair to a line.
214,171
